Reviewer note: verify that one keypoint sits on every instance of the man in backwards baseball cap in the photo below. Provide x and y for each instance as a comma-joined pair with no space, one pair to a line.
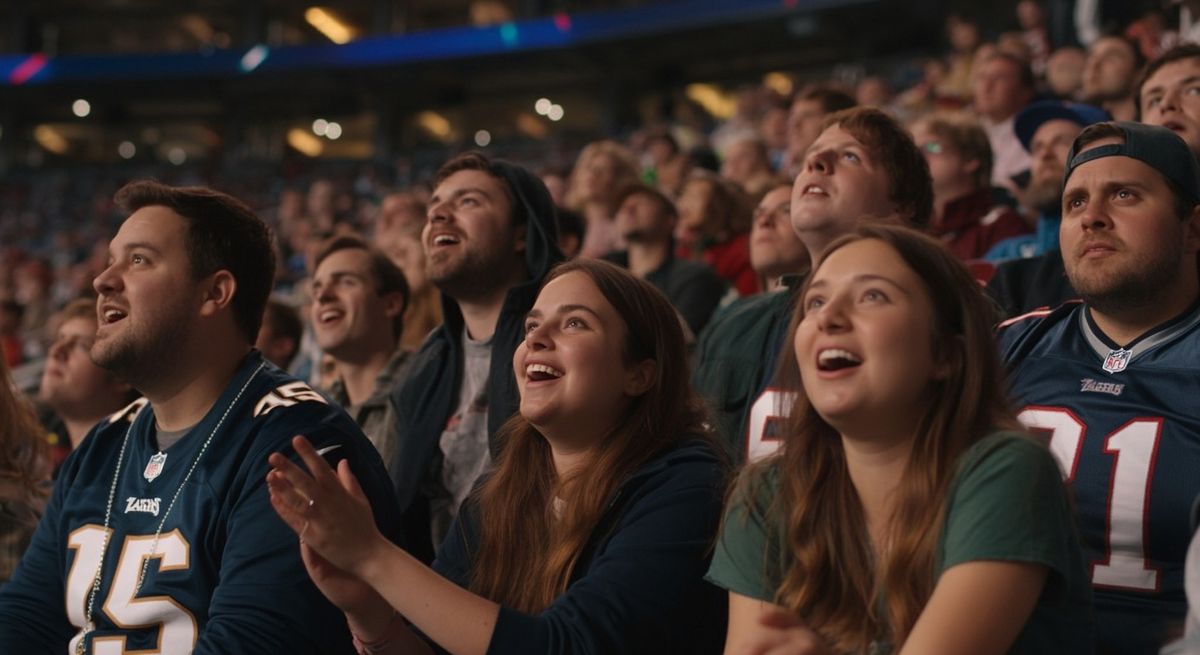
1113,380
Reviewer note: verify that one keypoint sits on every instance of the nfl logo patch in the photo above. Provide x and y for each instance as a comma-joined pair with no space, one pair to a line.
154,467
1117,360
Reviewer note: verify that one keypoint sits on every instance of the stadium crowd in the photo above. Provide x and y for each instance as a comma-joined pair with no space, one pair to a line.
857,370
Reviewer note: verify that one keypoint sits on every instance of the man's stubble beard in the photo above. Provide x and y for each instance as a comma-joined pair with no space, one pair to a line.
471,276
1045,197
1144,284
142,359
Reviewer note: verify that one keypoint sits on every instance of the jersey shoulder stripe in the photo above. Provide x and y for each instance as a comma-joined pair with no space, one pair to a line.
129,412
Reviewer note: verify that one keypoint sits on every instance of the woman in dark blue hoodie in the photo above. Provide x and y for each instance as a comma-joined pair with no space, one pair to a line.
592,533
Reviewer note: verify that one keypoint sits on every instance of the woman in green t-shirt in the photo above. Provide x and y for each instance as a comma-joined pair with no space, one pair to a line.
901,514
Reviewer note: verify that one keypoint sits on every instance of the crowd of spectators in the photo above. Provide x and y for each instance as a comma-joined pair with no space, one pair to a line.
701,216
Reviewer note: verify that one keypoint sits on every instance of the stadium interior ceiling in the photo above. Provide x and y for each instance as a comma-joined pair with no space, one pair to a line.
138,68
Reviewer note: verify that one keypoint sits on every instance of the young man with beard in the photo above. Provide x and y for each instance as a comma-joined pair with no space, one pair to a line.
159,536
1112,381
357,314
864,167
1029,272
490,237
646,220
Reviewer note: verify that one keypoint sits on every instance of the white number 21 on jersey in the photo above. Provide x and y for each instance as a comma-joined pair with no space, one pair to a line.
177,627
1133,447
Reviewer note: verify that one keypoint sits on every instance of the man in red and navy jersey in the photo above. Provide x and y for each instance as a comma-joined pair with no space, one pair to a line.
1113,380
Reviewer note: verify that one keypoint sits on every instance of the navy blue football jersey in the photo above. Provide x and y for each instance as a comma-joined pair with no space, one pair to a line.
224,574
1123,424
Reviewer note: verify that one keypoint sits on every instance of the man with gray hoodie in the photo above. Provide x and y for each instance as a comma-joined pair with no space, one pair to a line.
490,238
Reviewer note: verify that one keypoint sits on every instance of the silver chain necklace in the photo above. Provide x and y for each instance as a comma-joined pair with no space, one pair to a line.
88,626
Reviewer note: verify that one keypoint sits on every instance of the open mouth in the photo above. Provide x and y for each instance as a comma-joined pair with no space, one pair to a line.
836,359
110,315
445,240
814,190
541,373
329,315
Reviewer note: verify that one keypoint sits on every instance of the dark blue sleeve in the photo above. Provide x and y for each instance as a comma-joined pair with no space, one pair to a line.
265,601
454,556
646,587
33,616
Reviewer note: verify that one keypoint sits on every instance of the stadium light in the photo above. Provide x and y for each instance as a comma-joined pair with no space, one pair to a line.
555,113
254,58
320,126
304,142
716,102
51,140
435,124
126,149
542,106
81,108
331,26
333,131
483,138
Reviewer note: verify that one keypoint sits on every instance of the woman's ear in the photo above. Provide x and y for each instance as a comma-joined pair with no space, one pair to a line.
640,377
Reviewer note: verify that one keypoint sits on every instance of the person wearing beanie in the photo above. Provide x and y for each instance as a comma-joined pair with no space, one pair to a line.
490,238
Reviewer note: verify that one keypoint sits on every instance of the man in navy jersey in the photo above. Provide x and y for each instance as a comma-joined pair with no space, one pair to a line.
1113,381
160,536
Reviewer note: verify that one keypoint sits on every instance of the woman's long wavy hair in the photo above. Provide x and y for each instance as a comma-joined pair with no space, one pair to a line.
528,548
847,590
24,456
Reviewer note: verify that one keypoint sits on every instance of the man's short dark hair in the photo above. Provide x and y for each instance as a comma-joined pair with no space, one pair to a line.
893,149
477,161
222,234
830,98
388,277
1178,53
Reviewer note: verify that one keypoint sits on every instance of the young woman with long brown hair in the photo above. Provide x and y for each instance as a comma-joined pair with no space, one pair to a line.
593,531
903,512
24,474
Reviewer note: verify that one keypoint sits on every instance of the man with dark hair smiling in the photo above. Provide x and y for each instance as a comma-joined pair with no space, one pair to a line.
490,237
357,314
159,536
1112,381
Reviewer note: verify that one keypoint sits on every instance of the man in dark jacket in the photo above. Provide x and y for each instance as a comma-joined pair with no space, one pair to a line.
489,240
646,219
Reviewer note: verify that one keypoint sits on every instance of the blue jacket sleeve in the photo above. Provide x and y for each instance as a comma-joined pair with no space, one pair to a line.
645,586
